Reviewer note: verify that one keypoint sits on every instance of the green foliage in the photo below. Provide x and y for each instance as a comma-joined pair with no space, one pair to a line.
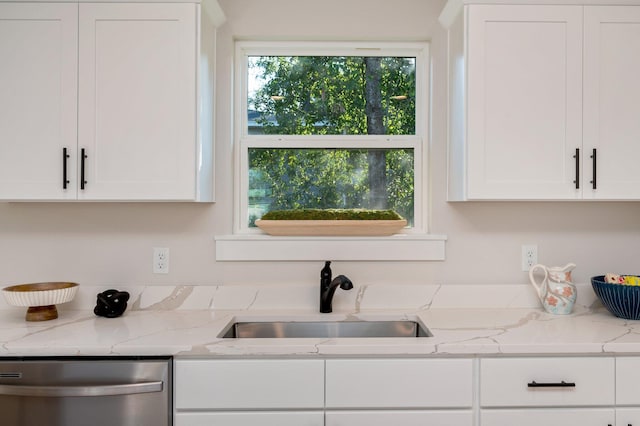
316,95
332,214
320,95
326,178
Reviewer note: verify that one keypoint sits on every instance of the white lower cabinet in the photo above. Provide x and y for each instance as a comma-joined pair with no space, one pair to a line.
627,380
627,394
628,416
344,392
491,391
399,383
404,418
249,384
258,418
285,392
547,382
408,392
549,391
548,417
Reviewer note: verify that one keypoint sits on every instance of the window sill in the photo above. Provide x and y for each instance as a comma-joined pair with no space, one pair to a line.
402,247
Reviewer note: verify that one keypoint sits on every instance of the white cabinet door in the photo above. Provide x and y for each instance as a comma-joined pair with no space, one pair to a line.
137,101
258,418
38,99
627,416
249,384
399,383
548,417
627,379
404,418
611,107
524,101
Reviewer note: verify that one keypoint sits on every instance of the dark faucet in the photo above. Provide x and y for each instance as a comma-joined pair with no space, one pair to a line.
328,287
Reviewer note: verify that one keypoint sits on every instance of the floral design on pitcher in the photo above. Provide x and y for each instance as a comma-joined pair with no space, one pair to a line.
556,292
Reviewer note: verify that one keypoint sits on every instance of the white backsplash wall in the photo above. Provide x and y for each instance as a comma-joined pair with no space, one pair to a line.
112,243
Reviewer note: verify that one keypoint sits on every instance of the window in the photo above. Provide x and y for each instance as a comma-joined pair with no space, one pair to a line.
331,125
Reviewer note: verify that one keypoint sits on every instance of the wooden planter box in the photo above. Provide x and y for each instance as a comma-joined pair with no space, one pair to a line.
331,227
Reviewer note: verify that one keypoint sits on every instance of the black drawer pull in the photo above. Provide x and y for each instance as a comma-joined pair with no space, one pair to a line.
577,157
65,181
562,384
83,156
594,166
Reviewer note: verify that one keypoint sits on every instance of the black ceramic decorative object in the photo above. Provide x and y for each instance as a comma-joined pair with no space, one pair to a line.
111,303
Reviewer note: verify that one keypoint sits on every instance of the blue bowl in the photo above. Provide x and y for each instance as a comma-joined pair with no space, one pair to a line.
621,300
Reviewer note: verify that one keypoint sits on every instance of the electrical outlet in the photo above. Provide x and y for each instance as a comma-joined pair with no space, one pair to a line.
160,260
529,256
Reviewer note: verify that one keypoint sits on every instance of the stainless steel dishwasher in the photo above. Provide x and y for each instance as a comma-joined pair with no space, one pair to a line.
81,391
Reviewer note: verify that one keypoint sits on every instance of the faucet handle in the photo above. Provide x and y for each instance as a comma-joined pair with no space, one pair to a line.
325,273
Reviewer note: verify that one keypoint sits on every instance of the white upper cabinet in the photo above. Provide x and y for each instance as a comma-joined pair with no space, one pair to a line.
137,100
611,106
524,100
38,99
519,84
120,86
531,116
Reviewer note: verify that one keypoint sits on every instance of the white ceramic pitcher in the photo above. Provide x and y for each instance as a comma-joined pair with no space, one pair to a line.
556,291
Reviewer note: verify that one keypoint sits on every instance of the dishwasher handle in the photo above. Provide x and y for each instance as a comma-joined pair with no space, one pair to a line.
70,391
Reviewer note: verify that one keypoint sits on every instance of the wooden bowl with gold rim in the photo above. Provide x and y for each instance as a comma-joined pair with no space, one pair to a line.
41,298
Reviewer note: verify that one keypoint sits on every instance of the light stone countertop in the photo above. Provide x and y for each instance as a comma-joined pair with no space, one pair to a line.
185,321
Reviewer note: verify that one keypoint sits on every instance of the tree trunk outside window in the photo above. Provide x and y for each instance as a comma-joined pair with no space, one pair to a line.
375,126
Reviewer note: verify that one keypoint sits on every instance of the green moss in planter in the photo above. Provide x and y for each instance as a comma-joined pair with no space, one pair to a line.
332,214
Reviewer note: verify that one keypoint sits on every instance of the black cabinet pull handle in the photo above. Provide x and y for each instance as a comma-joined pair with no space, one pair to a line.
562,384
577,157
594,162
83,155
65,181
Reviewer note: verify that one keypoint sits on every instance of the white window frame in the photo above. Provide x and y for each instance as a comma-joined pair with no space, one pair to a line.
418,142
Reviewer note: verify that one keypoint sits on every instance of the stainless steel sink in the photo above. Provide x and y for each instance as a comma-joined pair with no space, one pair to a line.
324,329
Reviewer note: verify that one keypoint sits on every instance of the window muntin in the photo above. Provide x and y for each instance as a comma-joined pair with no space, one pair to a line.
262,132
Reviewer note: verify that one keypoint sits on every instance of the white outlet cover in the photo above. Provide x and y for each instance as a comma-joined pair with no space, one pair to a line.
160,260
529,256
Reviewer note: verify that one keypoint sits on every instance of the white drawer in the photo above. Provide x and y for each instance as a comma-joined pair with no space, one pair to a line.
261,418
531,382
403,418
627,379
249,384
627,416
399,383
548,417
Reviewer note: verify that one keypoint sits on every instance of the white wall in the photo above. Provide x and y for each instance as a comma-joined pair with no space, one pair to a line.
111,244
